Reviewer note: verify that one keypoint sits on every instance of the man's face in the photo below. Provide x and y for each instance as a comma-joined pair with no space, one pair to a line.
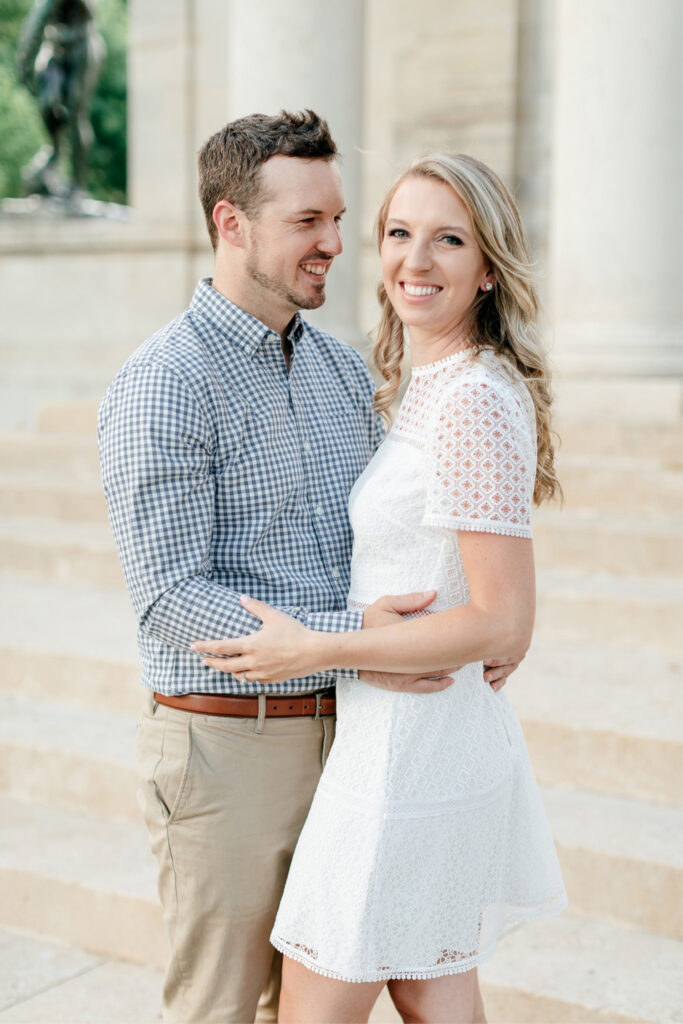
294,236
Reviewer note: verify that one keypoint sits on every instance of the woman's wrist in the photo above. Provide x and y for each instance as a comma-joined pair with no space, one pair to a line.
318,651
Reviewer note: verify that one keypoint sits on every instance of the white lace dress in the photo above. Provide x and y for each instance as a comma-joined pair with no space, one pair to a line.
427,837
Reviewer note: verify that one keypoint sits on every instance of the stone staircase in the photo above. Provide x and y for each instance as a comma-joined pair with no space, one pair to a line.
599,696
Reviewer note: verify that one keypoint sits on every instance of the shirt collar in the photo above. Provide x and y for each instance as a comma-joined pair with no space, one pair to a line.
236,325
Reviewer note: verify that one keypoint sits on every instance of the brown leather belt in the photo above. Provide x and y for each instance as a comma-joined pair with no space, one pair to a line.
283,706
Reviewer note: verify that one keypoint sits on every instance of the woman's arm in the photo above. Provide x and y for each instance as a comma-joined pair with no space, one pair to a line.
499,616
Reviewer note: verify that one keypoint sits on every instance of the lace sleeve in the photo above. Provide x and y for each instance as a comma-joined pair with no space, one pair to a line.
482,461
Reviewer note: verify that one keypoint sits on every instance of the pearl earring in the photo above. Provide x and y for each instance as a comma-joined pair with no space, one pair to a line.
488,286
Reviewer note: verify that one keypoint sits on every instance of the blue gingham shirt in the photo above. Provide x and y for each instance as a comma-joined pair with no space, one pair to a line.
227,474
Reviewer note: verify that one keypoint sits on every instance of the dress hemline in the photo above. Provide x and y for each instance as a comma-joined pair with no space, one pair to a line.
434,972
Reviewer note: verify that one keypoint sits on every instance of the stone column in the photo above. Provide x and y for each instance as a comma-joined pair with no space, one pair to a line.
615,207
534,112
308,53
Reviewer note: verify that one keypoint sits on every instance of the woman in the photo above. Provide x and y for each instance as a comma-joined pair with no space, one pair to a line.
426,838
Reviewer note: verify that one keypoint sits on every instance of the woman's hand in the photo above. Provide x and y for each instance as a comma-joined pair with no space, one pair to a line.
282,649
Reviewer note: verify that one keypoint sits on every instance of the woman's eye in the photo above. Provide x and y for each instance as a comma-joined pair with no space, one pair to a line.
451,240
398,233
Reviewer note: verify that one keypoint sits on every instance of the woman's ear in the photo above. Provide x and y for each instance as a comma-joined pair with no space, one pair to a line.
229,221
488,281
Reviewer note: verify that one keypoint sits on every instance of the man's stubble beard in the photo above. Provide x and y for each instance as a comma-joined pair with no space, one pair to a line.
277,287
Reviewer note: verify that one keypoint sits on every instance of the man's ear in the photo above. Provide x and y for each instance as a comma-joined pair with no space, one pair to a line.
230,223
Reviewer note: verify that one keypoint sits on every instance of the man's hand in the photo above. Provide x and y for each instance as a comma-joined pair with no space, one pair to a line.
406,683
387,611
390,609
497,670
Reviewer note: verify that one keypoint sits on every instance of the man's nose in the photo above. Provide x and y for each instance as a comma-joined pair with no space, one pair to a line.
331,241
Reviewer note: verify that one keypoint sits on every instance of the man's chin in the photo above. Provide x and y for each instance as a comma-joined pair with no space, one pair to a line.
312,300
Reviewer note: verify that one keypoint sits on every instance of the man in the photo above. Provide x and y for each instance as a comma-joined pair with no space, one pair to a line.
229,444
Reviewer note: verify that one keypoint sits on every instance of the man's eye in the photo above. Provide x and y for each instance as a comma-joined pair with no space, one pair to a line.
307,220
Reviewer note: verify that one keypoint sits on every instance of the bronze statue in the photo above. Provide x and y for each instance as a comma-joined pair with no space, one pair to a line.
59,57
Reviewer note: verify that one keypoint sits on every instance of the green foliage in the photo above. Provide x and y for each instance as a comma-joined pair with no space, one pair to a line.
107,177
21,127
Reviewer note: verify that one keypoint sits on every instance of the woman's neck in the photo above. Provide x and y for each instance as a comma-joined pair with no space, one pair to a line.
428,348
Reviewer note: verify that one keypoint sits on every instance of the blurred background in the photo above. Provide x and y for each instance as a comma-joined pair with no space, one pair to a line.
576,104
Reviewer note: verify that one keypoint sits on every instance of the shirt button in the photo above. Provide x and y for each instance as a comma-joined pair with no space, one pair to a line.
307,446
335,573
319,510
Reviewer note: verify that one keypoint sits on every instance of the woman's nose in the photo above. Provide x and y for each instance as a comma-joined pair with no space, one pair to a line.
418,256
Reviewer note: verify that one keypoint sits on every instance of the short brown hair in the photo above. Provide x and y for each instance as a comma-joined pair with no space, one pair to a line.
230,161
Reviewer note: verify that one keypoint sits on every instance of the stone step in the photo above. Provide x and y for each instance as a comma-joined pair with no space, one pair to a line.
577,971
660,444
610,486
597,718
622,859
597,715
85,552
68,418
624,546
102,684
637,613
657,400
90,883
644,421
20,399
51,983
601,717
96,623
81,880
40,497
590,485
72,457
69,360
66,552
75,758
621,856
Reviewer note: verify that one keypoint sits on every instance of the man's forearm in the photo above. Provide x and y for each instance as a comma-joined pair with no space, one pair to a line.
198,608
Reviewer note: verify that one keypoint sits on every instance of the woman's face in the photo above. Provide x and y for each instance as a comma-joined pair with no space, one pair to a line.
432,267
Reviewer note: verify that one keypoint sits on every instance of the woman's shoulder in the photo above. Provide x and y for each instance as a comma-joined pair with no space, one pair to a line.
482,389
484,371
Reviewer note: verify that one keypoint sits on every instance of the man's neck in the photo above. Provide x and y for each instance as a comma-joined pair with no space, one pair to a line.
277,320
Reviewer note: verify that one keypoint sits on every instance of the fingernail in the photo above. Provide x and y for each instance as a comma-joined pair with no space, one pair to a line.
244,598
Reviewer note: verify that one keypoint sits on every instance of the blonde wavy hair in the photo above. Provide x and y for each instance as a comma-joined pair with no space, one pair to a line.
503,319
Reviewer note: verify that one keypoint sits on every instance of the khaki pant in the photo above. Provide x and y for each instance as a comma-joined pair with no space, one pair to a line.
224,800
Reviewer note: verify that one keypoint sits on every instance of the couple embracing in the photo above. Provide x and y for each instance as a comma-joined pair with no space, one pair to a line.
248,477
